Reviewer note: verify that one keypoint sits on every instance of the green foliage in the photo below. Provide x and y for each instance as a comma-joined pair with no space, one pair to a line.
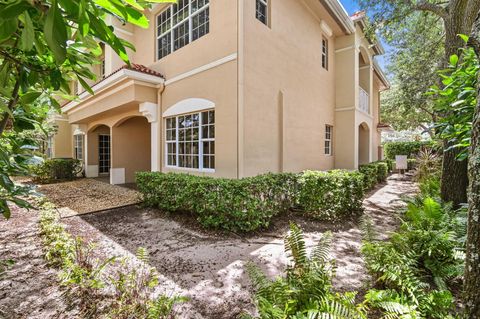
5,264
328,195
250,203
416,265
306,289
232,204
410,149
373,173
456,100
89,282
57,169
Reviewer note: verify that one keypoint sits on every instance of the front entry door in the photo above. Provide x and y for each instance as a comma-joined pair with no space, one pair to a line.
103,154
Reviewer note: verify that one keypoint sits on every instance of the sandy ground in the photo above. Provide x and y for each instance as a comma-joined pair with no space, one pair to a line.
30,288
209,267
88,195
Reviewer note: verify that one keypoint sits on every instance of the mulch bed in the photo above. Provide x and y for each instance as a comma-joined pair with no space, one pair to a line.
86,195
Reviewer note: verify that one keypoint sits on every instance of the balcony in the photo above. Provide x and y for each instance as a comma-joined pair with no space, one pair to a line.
364,101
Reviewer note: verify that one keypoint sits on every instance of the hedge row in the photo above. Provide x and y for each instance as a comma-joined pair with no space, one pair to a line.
411,149
233,204
376,172
250,203
328,195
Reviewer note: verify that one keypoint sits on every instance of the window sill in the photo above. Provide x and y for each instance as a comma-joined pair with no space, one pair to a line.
193,170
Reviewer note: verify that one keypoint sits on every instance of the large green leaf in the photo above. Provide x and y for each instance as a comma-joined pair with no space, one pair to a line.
28,33
56,33
13,9
29,97
7,28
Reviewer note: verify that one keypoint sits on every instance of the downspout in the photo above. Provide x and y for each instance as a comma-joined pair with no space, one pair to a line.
160,123
240,87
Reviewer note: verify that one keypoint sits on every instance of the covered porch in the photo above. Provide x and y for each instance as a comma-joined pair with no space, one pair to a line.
116,131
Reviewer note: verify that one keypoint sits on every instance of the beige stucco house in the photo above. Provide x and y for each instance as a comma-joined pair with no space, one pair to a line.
231,89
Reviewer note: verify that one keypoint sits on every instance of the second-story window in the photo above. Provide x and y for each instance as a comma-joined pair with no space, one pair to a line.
325,53
262,11
180,24
102,69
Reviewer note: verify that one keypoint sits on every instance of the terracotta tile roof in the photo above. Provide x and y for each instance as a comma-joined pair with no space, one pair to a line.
358,15
384,126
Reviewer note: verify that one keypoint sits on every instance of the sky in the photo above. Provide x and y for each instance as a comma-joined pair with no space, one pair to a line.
351,6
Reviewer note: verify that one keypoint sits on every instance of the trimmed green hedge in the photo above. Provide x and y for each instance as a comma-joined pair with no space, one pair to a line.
373,173
328,195
233,204
250,203
56,169
411,149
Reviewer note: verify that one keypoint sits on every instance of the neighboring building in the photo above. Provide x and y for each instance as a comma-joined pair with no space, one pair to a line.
232,89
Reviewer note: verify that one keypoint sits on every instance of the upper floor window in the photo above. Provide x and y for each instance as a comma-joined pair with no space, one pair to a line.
180,24
190,141
102,69
328,139
325,54
262,11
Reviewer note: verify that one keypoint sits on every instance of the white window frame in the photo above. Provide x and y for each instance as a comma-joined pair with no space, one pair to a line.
50,149
325,52
190,17
329,139
79,142
267,10
200,144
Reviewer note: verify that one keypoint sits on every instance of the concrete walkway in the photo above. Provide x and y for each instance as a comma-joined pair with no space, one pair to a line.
209,268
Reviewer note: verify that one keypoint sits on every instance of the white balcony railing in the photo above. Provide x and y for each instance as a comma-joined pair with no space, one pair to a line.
364,101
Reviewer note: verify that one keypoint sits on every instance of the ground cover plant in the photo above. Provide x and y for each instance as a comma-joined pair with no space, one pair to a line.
102,288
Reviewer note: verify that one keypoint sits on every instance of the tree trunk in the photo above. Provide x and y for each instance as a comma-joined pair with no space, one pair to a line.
454,173
472,266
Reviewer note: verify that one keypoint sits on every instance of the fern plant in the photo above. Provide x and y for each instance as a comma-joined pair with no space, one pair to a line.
306,289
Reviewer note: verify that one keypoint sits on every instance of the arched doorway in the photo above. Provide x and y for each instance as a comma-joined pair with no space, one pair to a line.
130,149
99,151
363,144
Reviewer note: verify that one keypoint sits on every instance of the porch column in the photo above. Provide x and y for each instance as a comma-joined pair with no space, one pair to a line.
150,111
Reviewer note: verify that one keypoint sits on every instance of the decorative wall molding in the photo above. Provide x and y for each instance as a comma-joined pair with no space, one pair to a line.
149,110
202,68
189,106
345,49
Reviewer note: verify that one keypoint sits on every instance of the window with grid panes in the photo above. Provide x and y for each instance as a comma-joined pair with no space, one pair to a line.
325,54
261,11
328,139
180,24
190,141
78,146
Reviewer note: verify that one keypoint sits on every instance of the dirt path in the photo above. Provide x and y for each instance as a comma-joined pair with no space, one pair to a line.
209,268
30,288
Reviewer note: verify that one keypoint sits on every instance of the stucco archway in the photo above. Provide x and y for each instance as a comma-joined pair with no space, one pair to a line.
131,153
363,144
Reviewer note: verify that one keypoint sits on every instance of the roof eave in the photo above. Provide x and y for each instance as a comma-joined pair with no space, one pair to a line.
340,15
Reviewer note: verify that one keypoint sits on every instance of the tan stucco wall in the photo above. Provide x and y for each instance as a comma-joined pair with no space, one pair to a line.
62,140
131,147
218,85
285,60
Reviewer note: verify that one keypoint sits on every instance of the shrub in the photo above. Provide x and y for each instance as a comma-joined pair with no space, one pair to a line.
373,173
243,204
328,195
56,169
416,265
306,289
411,149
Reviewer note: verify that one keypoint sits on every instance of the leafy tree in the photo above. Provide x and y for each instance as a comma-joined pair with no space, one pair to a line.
44,45
417,49
457,17
472,269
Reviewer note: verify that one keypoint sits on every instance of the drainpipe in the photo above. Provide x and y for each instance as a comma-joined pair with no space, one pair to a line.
160,123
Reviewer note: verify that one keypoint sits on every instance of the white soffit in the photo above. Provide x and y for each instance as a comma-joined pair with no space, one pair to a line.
326,28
